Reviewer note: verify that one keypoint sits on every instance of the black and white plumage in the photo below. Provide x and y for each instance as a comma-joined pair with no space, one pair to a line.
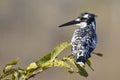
84,39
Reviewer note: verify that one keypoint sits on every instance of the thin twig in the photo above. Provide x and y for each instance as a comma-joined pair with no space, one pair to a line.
34,74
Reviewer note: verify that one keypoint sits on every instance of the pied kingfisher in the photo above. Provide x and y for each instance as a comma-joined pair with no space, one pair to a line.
84,39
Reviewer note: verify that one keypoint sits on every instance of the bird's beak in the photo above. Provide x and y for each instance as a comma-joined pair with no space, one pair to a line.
70,23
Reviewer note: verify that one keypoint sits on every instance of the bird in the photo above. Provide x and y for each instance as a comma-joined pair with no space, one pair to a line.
84,38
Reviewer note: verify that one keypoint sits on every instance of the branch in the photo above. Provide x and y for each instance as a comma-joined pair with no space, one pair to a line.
34,74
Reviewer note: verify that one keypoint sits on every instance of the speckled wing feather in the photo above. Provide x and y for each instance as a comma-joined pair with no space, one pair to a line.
83,43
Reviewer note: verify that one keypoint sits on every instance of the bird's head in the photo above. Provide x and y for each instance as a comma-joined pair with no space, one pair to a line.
88,17
84,17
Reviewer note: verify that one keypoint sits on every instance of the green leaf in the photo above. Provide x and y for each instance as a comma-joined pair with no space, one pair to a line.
6,73
89,64
47,59
19,74
57,63
81,70
52,55
57,50
9,66
71,60
13,77
14,62
32,66
44,59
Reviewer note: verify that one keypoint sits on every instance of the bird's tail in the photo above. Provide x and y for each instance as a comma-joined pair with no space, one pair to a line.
81,61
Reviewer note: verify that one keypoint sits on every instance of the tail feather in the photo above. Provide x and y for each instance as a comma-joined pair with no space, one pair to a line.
81,60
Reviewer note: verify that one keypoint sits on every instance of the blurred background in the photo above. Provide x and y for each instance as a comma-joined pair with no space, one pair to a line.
29,30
